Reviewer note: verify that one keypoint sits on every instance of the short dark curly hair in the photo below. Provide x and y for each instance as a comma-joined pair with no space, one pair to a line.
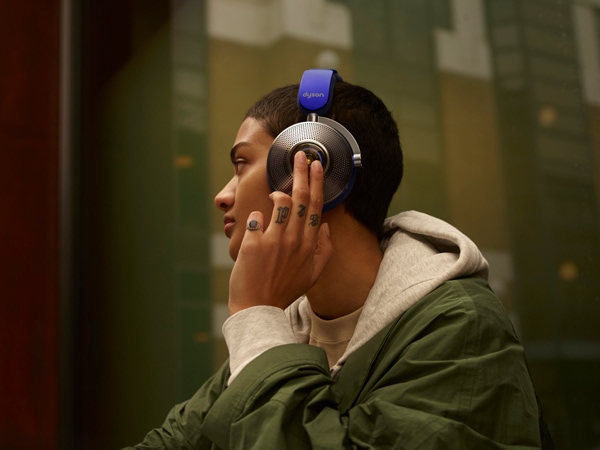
375,130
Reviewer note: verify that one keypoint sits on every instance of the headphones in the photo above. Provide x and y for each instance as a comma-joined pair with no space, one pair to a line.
320,138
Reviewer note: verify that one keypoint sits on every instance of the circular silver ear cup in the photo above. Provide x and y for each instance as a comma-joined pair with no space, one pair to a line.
317,140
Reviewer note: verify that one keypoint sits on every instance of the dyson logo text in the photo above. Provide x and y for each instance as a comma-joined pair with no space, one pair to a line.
313,94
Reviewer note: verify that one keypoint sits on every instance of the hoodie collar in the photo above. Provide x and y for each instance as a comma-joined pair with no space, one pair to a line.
421,252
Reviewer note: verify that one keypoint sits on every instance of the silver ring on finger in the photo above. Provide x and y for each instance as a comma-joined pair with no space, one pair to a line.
253,225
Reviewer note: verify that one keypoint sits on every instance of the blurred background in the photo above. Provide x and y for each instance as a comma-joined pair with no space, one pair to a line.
116,120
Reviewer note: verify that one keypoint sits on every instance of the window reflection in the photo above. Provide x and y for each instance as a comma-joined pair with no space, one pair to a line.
497,103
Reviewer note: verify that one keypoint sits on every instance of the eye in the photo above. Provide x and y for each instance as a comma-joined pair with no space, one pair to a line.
238,164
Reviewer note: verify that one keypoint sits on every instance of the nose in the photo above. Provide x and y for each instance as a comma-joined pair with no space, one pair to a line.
224,199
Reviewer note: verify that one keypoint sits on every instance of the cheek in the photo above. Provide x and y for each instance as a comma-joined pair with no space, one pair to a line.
253,195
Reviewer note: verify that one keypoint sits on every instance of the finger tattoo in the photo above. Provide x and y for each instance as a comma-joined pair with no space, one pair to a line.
301,210
314,220
282,213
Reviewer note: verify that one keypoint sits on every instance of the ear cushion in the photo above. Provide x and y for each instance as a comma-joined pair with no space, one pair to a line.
318,140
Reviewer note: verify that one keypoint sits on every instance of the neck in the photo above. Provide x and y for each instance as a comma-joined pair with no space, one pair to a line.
350,273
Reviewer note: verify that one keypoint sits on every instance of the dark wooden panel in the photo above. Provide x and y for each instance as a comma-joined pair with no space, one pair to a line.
29,74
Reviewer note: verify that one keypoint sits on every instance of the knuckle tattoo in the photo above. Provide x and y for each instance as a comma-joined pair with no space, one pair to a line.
282,213
301,210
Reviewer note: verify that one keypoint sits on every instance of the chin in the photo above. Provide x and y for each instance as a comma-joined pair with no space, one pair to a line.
233,251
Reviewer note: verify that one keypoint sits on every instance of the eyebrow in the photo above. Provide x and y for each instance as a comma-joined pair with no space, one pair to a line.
235,148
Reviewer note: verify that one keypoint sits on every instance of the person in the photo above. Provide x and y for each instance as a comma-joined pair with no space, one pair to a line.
347,329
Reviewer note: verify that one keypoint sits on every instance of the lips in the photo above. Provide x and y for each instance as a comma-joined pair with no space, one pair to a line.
227,228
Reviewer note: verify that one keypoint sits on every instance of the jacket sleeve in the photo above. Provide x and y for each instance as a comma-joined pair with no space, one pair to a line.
454,378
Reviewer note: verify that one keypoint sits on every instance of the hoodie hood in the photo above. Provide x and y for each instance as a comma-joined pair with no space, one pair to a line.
421,252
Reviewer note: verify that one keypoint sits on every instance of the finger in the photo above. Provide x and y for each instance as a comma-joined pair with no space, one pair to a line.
282,207
254,224
315,207
300,192
300,168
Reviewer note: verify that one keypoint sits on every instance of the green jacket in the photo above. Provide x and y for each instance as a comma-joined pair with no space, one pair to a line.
449,373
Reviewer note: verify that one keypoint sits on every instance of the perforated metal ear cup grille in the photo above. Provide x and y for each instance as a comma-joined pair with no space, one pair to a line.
338,167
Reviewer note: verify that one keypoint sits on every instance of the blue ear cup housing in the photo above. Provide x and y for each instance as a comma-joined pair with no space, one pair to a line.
320,138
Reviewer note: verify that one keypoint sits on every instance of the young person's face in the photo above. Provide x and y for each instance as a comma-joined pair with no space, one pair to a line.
248,189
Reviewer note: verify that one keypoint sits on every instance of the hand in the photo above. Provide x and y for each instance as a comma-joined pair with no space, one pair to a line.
279,263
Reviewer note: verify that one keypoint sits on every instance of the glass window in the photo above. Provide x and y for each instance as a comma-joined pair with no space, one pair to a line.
502,140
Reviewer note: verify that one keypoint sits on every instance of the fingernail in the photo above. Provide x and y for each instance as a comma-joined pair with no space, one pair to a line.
326,229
